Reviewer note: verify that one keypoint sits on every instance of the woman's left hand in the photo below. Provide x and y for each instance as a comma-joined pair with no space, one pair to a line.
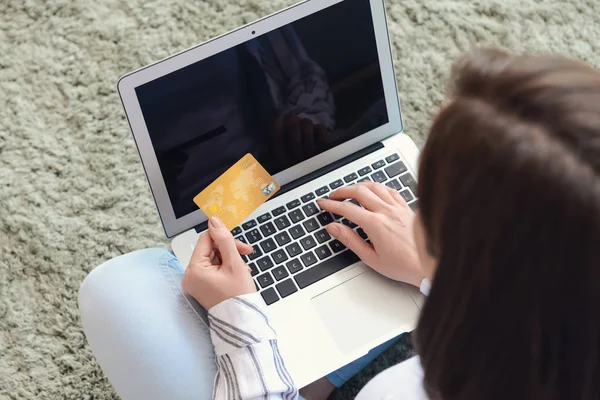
216,271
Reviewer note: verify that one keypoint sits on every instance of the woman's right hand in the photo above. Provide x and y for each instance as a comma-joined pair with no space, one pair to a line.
387,220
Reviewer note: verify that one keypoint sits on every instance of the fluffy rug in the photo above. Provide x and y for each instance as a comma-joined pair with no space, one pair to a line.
72,190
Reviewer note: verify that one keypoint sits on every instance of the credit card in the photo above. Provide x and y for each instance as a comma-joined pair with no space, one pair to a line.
238,192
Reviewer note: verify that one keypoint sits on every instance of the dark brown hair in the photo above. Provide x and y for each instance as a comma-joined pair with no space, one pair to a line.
510,203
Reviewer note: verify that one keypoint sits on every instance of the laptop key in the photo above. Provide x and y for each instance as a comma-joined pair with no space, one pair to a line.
279,211
255,253
336,184
265,263
269,296
407,196
293,204
294,266
310,209
308,259
282,238
254,270
296,216
268,229
337,246
307,197
409,181
378,164
392,158
322,236
396,169
241,239
394,184
282,222
236,231
279,256
294,249
308,242
265,280
326,268
323,252
264,218
249,225
286,288
364,171
365,179
414,205
268,245
311,225
362,233
349,223
253,236
322,191
325,218
350,178
280,273
297,231
379,176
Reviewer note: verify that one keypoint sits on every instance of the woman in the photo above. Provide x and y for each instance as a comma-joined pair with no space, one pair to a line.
508,234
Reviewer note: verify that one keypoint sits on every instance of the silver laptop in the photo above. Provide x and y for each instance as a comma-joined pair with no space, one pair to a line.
310,91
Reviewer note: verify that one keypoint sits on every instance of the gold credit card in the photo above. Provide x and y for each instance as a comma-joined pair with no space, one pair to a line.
238,192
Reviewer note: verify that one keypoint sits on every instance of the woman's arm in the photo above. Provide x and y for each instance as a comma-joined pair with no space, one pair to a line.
249,364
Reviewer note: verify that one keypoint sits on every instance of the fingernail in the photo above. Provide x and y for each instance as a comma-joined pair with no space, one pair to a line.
333,229
216,222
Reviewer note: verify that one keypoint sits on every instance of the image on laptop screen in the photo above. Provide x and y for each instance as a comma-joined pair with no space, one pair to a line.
284,96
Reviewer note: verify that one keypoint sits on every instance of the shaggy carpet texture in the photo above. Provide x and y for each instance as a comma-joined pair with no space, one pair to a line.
72,190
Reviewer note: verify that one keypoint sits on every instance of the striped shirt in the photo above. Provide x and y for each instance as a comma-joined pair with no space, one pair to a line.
249,364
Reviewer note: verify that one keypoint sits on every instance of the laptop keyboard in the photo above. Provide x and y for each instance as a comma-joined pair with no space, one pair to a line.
292,249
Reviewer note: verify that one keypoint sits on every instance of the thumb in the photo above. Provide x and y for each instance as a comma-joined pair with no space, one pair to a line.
224,240
351,240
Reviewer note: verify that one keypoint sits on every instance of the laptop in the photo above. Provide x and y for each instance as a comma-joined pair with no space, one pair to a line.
310,92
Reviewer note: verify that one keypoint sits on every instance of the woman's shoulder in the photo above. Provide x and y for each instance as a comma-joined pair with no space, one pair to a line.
400,382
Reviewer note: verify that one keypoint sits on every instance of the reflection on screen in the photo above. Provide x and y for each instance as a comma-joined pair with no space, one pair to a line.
284,96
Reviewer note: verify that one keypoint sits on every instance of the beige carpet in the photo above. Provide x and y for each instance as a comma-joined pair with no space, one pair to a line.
72,191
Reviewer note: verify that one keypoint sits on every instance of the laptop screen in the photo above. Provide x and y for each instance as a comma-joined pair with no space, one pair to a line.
284,96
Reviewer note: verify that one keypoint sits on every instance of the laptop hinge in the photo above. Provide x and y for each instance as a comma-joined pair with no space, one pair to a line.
316,174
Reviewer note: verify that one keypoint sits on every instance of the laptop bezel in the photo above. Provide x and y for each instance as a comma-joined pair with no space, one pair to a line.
127,84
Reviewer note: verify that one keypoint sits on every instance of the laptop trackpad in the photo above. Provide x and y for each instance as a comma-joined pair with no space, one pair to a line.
364,309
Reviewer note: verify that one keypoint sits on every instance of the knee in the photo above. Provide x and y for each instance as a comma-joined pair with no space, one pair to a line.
108,285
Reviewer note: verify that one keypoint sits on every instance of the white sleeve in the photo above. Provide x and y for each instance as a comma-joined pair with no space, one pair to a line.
400,382
249,364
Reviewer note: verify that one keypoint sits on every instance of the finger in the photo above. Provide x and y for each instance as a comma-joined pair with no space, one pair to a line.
294,136
397,198
346,209
382,191
204,248
308,137
224,240
362,193
351,240
243,248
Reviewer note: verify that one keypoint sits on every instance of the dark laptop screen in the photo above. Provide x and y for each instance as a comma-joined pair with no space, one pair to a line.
284,96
